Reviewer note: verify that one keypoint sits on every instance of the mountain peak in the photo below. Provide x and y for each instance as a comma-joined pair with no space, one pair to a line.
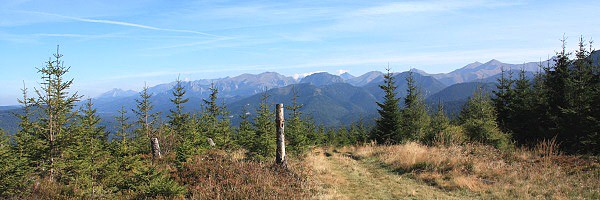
268,73
347,76
116,92
494,62
322,78
472,65
418,71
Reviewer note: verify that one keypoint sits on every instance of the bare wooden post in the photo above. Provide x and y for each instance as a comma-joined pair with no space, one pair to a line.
280,155
155,148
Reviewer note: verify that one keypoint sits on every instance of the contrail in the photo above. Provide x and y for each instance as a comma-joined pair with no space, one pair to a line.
121,23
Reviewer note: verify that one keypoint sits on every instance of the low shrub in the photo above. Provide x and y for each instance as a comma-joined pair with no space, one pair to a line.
217,175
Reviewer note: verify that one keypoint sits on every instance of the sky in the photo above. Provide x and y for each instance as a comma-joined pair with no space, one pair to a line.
126,44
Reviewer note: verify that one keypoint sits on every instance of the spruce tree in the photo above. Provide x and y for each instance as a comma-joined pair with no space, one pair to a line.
214,122
593,137
314,137
178,120
90,156
539,109
359,132
503,95
343,137
146,120
123,127
478,118
296,129
13,169
29,140
582,88
556,81
437,127
330,138
245,132
387,127
524,121
211,105
263,145
56,117
414,118
321,132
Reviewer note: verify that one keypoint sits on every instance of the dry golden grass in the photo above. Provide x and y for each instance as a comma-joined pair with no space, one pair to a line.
523,174
324,178
340,176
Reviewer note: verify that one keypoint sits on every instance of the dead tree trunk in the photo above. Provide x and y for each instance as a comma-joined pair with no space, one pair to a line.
280,154
155,148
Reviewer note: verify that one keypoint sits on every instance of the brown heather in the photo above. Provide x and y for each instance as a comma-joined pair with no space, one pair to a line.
220,175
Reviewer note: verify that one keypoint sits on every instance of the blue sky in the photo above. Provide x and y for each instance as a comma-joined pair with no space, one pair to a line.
122,44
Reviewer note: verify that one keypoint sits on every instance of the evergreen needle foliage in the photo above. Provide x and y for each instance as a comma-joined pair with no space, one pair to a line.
414,119
387,127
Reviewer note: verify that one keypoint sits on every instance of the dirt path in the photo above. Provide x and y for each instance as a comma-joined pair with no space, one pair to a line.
341,177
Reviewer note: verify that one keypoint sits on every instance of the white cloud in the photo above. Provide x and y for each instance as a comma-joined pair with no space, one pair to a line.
302,75
429,6
341,71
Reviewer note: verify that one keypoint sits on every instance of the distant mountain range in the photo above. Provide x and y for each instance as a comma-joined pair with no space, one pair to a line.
329,99
479,71
245,85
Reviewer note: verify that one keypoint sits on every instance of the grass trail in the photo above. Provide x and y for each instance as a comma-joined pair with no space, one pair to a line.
341,177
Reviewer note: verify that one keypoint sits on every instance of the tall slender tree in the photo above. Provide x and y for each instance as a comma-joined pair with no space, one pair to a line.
414,118
146,120
555,80
522,124
214,121
56,105
29,141
123,127
387,127
582,90
296,129
178,119
503,95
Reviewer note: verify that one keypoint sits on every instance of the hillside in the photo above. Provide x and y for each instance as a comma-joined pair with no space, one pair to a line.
427,84
8,121
332,105
322,78
366,78
455,96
